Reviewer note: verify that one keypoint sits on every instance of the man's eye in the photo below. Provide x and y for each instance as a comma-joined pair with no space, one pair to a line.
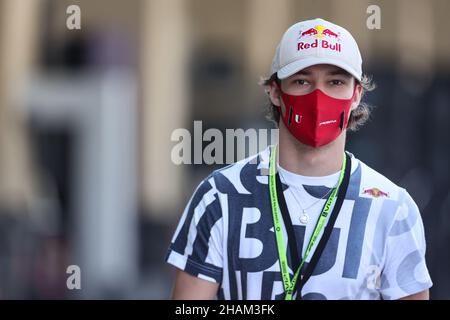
301,82
337,82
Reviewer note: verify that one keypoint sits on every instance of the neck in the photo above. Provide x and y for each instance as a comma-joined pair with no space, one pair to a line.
308,161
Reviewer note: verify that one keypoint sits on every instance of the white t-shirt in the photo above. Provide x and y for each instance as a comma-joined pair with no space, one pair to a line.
226,235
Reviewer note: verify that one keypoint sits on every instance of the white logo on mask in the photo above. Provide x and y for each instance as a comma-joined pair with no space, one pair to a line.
327,122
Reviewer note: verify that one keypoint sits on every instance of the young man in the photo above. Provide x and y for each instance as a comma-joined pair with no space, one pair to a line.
304,219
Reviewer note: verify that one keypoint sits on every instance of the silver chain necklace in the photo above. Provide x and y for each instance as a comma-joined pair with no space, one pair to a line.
304,218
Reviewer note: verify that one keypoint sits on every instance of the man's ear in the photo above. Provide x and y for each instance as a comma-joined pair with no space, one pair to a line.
274,94
356,97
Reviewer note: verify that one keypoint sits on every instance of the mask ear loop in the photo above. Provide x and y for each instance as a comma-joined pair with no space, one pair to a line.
341,125
342,120
290,117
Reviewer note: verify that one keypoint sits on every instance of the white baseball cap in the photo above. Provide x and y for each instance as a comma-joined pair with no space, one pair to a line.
316,41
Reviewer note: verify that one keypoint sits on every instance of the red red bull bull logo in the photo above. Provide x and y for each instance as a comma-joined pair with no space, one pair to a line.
319,33
375,192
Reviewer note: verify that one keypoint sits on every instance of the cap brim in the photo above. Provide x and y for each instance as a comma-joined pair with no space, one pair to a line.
301,64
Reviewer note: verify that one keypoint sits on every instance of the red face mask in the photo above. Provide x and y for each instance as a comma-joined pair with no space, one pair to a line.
315,119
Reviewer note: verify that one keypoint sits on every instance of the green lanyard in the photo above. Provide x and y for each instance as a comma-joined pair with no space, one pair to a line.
287,283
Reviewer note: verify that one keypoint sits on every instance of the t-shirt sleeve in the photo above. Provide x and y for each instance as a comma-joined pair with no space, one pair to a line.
405,271
196,246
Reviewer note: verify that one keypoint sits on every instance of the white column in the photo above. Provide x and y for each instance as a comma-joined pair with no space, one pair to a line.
100,109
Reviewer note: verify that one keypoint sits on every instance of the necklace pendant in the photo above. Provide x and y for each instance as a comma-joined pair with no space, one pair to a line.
304,218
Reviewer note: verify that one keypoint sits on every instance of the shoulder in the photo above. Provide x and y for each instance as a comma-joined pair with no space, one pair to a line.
376,186
395,205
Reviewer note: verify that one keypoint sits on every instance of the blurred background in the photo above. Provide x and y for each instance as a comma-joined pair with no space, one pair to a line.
86,118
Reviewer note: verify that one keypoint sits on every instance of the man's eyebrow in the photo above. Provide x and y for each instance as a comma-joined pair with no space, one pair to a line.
303,73
339,72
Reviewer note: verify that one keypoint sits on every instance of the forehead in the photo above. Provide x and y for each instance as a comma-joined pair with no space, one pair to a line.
323,69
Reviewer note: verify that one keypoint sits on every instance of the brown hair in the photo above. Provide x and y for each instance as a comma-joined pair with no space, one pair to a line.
358,117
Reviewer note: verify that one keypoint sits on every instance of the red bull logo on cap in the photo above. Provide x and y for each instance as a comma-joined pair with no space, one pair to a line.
323,43
319,33
375,192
